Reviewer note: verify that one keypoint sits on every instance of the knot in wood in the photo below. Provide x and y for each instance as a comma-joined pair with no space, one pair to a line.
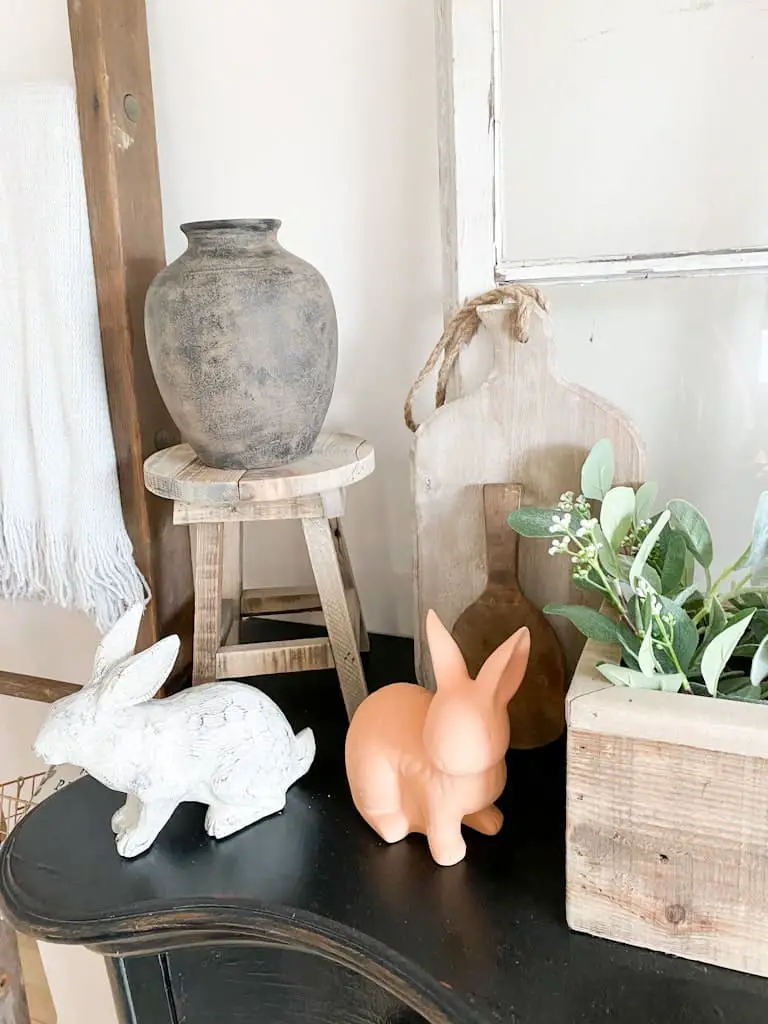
675,913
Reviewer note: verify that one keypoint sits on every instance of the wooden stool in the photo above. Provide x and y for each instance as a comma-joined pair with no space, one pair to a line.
215,503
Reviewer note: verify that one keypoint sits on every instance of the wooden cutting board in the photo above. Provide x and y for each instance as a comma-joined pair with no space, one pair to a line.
526,424
537,713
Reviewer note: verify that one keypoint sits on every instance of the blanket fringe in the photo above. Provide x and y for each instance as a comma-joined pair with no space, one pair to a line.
91,575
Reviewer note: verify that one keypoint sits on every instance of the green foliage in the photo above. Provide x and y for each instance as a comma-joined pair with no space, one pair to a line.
617,514
641,558
694,528
677,629
531,522
645,499
759,548
673,568
597,471
718,652
620,676
592,624
759,668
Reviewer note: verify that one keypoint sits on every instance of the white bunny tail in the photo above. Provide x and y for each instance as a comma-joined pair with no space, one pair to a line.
304,752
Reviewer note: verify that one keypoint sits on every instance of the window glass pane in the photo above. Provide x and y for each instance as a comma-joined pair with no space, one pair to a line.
687,360
633,126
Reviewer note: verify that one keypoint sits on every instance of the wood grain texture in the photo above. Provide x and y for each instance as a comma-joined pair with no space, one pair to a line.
321,546
722,726
667,848
209,551
243,660
140,988
13,998
466,127
41,1006
336,462
350,585
13,684
288,987
272,600
309,507
117,128
232,578
537,713
524,424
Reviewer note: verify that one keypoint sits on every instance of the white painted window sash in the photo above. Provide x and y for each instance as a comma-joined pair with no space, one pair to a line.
714,263
471,178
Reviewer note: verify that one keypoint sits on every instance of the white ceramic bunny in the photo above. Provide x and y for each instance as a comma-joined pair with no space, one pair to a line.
223,744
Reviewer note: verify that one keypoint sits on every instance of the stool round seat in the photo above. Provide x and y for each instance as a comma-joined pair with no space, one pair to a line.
336,462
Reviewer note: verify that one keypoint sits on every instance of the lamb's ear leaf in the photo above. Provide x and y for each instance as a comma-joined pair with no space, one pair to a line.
119,642
139,678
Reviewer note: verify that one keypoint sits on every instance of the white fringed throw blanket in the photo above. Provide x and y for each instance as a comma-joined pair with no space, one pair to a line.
62,536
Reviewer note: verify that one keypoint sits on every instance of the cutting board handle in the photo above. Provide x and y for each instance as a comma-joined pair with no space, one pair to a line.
501,541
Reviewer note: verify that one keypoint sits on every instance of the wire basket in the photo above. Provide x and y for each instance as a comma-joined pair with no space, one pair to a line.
17,797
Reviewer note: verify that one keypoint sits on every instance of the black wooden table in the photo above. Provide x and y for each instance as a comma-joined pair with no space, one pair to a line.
309,918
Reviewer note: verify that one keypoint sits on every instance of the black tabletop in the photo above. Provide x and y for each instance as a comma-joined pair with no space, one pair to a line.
484,940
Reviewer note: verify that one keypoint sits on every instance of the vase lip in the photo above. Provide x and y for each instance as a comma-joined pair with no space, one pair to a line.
259,224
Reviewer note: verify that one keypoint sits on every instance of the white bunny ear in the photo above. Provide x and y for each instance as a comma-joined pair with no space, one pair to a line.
139,678
119,643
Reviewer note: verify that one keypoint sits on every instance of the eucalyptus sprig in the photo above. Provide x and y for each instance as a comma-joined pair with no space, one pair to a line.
677,627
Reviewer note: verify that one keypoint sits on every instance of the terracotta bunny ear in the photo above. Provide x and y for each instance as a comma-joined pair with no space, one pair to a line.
504,670
447,660
119,643
139,678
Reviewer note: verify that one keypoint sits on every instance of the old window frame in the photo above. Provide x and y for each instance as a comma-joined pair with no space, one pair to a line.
471,180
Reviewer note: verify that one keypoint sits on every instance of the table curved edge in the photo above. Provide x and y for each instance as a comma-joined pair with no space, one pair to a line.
157,927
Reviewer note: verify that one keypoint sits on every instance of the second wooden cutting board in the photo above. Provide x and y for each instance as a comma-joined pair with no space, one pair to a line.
537,714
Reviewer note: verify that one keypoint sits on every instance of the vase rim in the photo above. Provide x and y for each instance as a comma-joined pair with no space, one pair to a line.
261,224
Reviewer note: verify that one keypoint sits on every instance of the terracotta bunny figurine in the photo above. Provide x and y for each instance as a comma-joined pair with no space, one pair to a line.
423,762
224,744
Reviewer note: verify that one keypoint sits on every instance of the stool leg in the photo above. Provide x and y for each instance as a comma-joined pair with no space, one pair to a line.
348,577
209,551
323,555
232,580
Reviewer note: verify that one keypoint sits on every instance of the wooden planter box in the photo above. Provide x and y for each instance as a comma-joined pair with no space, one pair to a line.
667,820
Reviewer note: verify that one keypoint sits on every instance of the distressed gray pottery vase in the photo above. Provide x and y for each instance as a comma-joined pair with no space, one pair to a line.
243,341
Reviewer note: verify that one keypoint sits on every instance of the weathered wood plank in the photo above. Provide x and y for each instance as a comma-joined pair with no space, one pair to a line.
466,147
273,600
232,580
667,847
14,684
261,659
348,577
13,998
209,545
117,128
723,726
310,507
341,630
337,461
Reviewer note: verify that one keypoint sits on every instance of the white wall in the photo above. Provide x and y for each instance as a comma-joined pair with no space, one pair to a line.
323,115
